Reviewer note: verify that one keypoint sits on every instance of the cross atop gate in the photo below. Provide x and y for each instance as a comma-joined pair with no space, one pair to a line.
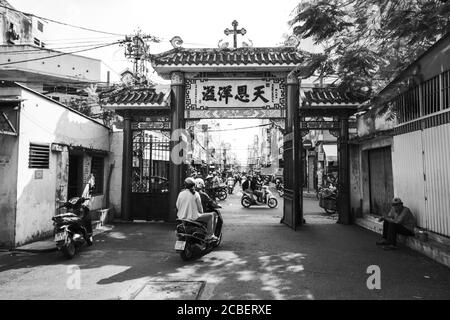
235,32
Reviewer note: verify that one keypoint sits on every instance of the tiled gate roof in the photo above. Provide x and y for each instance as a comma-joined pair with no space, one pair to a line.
230,56
330,96
135,96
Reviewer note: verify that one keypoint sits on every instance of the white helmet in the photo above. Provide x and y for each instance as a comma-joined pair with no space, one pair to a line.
199,183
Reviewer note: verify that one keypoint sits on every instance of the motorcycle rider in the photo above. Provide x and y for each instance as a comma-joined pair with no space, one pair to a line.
208,204
215,181
231,182
189,207
250,186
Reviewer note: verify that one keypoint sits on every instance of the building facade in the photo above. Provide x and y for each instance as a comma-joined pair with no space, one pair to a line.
47,154
402,146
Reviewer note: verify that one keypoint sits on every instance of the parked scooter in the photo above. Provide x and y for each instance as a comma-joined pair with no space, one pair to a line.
69,228
267,199
192,235
328,199
220,192
280,188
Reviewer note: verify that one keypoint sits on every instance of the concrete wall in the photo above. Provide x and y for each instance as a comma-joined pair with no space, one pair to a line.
23,25
116,177
69,65
355,181
435,61
8,183
44,121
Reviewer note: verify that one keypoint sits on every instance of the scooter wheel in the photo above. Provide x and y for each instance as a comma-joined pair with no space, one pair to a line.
218,241
68,249
272,203
222,195
246,203
188,253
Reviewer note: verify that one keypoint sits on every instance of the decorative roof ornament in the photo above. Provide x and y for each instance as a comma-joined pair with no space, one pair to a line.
292,41
223,45
235,31
247,45
176,42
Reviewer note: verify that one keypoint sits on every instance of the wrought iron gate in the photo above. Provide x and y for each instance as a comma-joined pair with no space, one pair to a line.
150,175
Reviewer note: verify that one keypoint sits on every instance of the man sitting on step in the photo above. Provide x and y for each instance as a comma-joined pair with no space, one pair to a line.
399,220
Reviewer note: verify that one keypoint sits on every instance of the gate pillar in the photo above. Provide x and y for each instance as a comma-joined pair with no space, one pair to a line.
293,211
344,174
127,162
177,113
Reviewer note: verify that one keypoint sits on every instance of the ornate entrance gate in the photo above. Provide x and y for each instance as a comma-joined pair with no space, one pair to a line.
150,175
146,151
230,83
217,83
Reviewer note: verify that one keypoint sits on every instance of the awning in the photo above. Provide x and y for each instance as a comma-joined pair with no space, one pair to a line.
330,150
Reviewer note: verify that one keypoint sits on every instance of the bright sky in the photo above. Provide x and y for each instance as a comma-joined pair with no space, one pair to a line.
200,23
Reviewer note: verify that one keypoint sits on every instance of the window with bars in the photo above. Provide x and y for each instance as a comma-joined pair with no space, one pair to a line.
430,96
446,89
97,169
151,155
39,156
408,105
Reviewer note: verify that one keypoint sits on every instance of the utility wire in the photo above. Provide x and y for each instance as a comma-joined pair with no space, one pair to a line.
261,125
109,67
62,23
52,49
58,55
74,39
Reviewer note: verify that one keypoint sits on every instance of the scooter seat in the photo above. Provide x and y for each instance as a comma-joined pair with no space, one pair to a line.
191,222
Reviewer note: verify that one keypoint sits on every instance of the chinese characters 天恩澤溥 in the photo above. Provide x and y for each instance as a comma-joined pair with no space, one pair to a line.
225,92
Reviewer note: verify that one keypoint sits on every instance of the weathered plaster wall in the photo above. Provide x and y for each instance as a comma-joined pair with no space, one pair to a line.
43,121
22,24
116,177
435,61
364,126
8,184
68,66
355,181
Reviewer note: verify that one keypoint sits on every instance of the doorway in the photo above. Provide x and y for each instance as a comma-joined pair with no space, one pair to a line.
380,180
75,174
150,174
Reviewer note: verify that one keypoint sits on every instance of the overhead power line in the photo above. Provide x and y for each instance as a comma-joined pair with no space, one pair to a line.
62,23
39,49
60,54
261,125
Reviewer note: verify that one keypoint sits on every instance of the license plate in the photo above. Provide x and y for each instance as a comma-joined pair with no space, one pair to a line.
60,236
179,245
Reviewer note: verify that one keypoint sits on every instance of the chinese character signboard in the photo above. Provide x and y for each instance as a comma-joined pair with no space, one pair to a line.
319,125
235,98
151,123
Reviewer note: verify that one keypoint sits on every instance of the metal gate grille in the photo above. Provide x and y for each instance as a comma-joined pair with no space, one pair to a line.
151,155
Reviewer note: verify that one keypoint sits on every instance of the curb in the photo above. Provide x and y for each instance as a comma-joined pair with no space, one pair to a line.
53,247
